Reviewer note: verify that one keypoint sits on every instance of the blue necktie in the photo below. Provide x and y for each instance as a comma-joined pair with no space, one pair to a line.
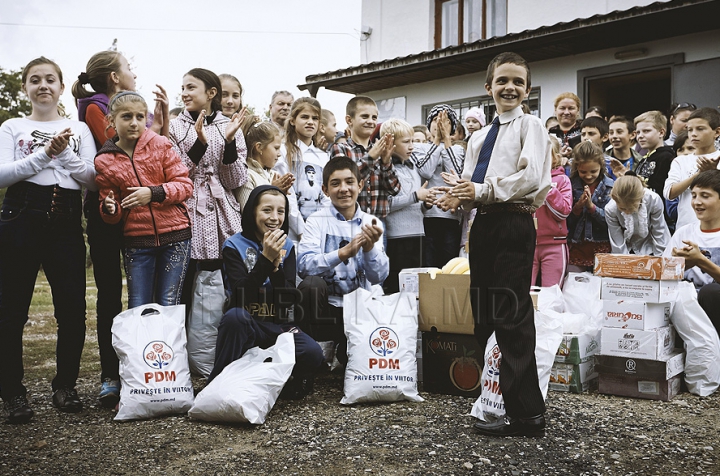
478,175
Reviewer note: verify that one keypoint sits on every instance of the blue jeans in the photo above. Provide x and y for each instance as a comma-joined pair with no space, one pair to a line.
156,275
41,226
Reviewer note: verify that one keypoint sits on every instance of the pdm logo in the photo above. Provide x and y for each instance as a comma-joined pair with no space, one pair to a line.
158,354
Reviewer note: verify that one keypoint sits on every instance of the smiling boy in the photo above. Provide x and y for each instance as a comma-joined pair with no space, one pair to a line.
340,251
655,165
377,173
506,177
703,128
621,134
699,243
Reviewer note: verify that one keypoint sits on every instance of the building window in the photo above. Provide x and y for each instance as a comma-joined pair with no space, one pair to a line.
465,21
461,106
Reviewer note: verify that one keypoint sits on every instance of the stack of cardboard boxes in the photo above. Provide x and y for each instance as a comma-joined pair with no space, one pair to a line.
574,367
637,343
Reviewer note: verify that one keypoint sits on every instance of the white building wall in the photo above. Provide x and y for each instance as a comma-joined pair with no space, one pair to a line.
402,27
399,28
532,14
552,76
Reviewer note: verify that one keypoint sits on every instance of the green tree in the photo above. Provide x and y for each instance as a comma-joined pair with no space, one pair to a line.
12,102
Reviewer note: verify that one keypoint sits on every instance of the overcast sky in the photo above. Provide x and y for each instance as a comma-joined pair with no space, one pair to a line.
268,45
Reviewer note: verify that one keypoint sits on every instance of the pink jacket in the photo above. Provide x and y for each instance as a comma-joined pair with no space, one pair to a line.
155,165
213,209
551,226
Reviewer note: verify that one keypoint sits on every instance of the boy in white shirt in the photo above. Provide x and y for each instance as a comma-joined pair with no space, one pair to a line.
340,251
703,128
699,243
506,177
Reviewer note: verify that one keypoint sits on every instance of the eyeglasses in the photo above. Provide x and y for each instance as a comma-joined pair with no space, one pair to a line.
684,105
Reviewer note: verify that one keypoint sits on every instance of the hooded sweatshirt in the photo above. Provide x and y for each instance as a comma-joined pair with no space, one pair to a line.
250,278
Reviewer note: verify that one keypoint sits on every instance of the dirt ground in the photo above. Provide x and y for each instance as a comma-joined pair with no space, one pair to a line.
587,434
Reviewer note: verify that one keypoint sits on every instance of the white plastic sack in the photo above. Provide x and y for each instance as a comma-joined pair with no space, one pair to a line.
381,336
581,293
551,298
155,377
702,345
247,389
548,334
207,310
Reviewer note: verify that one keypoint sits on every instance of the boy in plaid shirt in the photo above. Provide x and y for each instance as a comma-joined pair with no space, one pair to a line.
376,172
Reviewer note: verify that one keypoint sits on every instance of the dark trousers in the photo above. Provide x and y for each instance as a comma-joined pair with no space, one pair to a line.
502,246
442,241
402,253
105,242
239,331
709,300
41,226
322,320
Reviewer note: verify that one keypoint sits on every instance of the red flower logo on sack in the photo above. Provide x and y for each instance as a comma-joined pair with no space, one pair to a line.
158,354
384,341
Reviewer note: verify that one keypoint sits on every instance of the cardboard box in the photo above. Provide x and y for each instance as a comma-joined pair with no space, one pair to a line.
577,348
652,345
615,289
664,369
573,378
452,364
445,304
637,387
636,314
408,279
654,268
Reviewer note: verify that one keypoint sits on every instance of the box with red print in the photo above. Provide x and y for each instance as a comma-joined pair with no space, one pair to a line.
452,364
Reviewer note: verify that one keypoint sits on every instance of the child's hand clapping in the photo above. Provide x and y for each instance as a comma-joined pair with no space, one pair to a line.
450,178
234,126
273,243
423,192
200,129
585,200
284,182
706,163
618,168
444,128
370,234
58,143
383,149
161,114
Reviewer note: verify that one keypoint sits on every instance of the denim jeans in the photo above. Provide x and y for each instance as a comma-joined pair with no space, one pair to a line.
105,242
156,275
41,226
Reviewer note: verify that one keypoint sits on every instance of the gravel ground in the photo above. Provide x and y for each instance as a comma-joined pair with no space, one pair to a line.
587,434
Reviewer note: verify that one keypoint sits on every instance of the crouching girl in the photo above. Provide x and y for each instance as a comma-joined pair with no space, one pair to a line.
635,219
259,265
144,183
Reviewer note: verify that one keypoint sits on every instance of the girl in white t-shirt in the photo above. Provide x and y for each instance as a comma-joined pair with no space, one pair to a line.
45,160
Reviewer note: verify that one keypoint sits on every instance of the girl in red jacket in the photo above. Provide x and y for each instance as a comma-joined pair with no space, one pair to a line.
551,250
144,184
